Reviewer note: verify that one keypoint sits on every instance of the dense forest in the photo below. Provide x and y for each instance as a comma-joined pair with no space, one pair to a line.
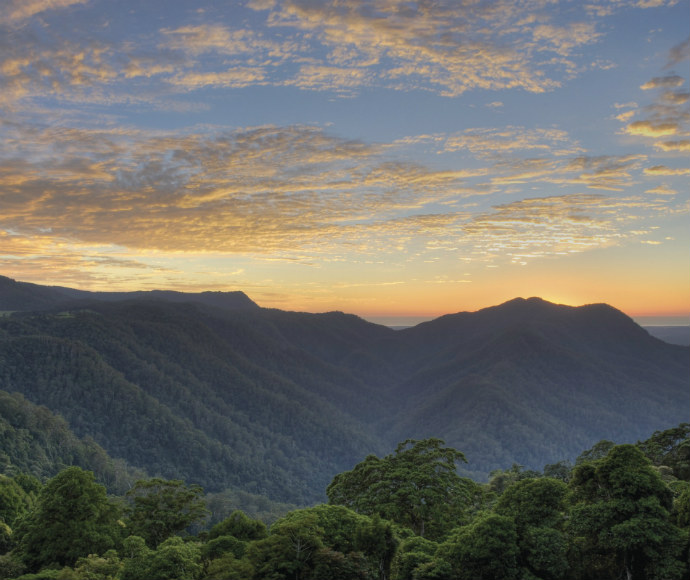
618,511
162,435
212,389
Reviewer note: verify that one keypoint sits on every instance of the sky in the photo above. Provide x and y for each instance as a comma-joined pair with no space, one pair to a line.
387,158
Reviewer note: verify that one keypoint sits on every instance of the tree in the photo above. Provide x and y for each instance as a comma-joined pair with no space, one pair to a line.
136,556
175,559
240,526
160,508
14,501
484,550
620,523
95,567
417,486
289,550
377,540
537,506
411,554
502,479
72,519
670,448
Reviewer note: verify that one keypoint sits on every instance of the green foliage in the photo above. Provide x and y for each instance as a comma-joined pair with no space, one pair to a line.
228,566
598,451
412,554
240,526
161,508
174,559
222,545
534,502
289,550
417,486
485,550
537,506
136,556
330,564
621,522
617,517
37,444
561,470
14,501
501,479
94,567
670,448
72,519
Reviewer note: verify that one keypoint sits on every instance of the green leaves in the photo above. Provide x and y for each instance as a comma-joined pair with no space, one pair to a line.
416,486
73,518
621,520
485,550
161,508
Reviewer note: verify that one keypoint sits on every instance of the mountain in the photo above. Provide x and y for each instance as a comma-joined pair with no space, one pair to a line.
213,389
529,380
27,297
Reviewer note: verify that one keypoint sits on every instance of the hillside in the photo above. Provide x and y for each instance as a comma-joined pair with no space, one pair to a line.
36,442
213,389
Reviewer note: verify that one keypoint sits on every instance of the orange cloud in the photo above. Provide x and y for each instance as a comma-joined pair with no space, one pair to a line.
653,128
663,170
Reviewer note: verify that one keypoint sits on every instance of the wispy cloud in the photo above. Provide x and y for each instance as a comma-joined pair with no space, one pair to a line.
445,47
16,11
295,192
666,120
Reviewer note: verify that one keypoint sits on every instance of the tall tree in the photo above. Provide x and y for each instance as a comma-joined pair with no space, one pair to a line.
72,519
417,486
537,507
160,508
620,523
289,551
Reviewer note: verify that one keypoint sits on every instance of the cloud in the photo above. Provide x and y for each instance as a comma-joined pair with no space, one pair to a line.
233,78
666,116
679,53
493,142
331,78
445,47
671,146
653,128
667,82
294,192
549,226
662,190
663,170
20,10
219,39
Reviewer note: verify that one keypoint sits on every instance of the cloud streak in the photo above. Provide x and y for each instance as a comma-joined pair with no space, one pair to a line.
260,190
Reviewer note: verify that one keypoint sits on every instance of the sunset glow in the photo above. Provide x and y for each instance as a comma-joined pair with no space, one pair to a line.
381,157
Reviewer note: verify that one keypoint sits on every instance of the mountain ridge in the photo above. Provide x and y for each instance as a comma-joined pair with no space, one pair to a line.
277,402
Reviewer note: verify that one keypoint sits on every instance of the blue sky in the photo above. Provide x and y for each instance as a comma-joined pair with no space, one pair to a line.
382,157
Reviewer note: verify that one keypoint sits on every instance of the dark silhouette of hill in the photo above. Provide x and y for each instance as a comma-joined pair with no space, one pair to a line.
26,297
213,389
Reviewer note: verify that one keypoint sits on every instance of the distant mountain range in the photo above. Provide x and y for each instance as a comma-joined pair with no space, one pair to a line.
213,389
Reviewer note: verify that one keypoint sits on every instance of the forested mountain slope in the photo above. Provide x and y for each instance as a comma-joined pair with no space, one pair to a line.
36,442
520,381
212,389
